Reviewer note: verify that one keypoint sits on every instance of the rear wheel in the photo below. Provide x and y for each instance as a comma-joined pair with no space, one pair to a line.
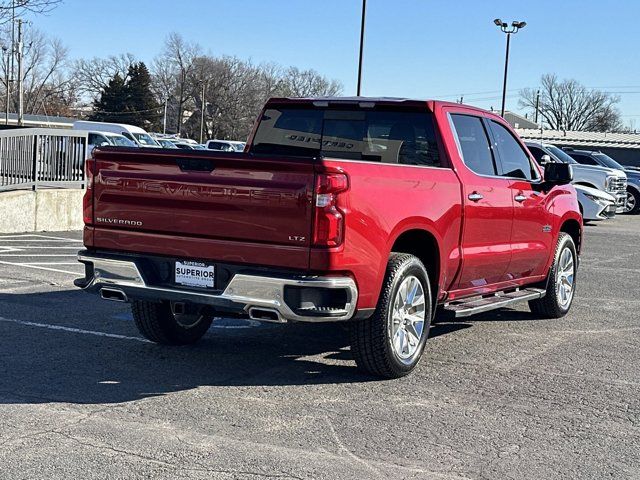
390,343
160,323
562,281
633,202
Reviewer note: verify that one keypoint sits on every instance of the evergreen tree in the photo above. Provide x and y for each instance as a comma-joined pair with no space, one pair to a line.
112,101
142,106
128,101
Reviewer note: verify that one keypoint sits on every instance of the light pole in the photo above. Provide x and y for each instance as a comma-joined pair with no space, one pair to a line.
364,14
504,27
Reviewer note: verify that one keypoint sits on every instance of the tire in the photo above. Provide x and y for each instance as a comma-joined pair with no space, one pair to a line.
633,202
157,322
557,302
377,345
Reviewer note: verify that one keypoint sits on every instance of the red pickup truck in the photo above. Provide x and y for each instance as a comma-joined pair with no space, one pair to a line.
374,211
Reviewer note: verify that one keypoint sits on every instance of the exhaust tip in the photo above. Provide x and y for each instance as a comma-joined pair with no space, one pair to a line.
265,315
113,294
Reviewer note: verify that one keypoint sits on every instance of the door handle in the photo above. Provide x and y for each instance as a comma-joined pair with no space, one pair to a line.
520,198
475,197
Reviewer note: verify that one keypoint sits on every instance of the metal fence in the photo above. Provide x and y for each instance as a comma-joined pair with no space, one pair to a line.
42,157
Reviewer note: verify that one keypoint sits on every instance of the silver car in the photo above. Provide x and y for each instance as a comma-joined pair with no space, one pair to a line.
609,180
595,204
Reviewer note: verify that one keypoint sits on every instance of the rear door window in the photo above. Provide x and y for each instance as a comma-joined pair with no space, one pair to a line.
401,137
474,144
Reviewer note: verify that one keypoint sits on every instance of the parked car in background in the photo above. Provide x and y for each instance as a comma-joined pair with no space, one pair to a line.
595,204
404,207
223,146
188,141
589,157
136,134
239,146
165,143
103,139
189,146
609,180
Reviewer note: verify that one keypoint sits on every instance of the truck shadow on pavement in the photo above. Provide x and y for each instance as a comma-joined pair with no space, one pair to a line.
40,363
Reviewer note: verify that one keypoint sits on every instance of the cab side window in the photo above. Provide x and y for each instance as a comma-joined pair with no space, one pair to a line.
514,159
474,144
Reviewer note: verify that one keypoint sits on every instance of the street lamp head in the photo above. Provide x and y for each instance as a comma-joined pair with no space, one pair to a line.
498,22
519,24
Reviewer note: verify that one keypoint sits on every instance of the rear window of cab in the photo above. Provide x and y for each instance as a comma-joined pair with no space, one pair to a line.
400,137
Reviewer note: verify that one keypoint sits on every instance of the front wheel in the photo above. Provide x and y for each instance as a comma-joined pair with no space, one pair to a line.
561,285
390,343
160,322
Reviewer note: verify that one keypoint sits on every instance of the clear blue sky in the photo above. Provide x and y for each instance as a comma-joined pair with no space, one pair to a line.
414,48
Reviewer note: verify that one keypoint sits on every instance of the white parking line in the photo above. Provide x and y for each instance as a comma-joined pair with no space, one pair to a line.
73,330
74,255
39,268
13,240
25,235
49,263
17,248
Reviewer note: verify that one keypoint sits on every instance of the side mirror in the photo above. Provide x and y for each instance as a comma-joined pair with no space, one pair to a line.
558,173
544,159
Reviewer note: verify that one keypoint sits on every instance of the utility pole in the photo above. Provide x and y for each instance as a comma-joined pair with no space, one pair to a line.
20,82
364,14
537,106
164,123
6,55
13,37
204,106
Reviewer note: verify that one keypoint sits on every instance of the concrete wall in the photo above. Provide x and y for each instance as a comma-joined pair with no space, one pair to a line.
42,210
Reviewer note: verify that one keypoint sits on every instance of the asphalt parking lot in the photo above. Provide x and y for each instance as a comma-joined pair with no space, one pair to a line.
502,395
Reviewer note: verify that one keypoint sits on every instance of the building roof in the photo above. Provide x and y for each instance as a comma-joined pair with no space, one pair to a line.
589,140
39,121
518,121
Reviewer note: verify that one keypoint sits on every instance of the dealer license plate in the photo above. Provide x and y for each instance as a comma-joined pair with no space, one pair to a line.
195,274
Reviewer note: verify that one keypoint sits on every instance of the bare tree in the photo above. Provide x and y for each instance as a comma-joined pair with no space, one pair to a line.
48,87
9,8
93,75
172,70
568,105
309,83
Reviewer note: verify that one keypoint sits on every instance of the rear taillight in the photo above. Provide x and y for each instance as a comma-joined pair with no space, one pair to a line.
87,200
328,225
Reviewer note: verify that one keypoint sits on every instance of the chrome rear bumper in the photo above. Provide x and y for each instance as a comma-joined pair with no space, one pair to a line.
244,293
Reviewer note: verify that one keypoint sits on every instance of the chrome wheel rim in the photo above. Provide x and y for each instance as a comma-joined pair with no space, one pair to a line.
631,202
565,278
408,318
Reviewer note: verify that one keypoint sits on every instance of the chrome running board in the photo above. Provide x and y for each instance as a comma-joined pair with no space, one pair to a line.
470,306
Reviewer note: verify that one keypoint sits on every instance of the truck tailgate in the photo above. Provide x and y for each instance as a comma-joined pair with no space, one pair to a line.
200,205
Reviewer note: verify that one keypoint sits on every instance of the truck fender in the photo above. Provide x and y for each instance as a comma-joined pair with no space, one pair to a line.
417,224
